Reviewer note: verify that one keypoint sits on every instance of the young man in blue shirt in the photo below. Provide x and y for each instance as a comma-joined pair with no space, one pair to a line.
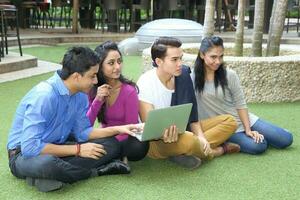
53,112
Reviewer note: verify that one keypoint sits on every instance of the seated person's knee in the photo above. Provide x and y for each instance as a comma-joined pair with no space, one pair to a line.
111,145
230,120
256,148
134,149
285,141
46,164
187,142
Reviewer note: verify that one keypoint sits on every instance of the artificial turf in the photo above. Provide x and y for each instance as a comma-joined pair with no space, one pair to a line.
272,175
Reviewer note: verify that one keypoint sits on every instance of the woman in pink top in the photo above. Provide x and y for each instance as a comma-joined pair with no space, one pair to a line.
114,100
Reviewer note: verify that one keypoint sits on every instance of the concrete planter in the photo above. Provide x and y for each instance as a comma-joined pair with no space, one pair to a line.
264,79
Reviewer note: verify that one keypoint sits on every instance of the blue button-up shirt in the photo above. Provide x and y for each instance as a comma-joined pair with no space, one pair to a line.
49,114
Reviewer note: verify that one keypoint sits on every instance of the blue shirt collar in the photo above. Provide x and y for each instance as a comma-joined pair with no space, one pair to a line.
59,84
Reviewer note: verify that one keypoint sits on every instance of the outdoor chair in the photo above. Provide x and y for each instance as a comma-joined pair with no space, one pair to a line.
113,9
31,16
44,13
63,7
172,6
9,16
135,16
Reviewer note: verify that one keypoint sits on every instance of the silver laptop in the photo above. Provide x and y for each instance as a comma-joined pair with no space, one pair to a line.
160,119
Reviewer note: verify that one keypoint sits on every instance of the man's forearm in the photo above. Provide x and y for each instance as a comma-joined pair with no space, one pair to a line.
60,150
197,129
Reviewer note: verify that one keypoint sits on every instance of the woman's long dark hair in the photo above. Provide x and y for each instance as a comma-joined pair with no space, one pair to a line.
220,74
102,51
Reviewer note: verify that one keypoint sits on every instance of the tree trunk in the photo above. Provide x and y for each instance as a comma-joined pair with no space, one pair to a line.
273,11
239,34
258,28
209,21
219,14
275,33
75,16
271,21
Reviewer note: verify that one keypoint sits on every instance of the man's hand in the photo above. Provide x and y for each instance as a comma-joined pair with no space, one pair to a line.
206,146
170,134
91,150
103,91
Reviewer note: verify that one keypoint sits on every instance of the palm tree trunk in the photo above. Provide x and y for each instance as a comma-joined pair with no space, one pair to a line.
219,13
209,21
275,33
273,14
271,22
239,34
258,28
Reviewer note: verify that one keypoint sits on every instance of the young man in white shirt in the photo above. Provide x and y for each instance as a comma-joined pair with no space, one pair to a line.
168,84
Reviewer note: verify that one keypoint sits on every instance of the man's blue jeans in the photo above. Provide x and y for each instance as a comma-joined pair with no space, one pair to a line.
65,169
274,136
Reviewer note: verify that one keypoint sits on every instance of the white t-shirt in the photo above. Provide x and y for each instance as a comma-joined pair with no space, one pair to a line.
152,91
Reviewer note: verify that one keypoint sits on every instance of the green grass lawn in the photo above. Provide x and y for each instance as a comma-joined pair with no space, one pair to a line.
272,175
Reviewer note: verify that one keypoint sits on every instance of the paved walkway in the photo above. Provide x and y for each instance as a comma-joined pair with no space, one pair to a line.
291,37
44,67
